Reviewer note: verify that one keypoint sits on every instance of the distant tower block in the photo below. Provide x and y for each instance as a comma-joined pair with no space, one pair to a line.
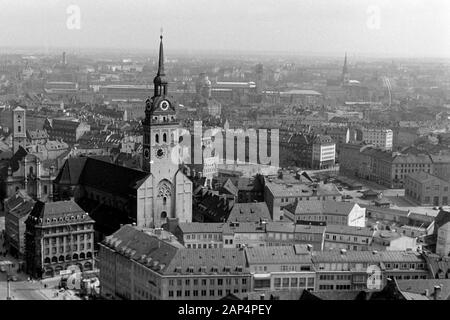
19,129
64,62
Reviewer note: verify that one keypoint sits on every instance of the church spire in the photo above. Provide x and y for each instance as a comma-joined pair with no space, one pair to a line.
160,82
344,69
161,58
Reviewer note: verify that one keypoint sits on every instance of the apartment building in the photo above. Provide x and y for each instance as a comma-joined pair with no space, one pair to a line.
136,265
58,235
379,137
281,268
278,195
362,270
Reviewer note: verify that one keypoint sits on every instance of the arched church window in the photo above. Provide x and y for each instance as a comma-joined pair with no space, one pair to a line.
164,200
164,137
157,138
172,138
163,215
31,170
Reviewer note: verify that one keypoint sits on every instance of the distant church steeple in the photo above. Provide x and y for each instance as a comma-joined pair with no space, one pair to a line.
160,81
345,75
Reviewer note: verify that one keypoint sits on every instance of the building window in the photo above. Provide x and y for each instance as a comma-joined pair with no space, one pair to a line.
170,293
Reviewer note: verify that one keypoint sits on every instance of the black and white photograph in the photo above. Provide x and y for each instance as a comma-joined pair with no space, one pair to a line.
236,151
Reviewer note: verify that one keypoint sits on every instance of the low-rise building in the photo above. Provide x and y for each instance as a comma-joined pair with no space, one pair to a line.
391,240
330,212
347,237
427,189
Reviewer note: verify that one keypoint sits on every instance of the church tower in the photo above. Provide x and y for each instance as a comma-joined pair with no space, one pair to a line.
345,76
172,190
19,129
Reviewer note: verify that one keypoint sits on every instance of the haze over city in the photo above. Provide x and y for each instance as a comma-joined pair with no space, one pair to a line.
382,28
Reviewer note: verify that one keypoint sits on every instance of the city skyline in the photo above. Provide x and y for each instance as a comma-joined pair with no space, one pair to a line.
409,29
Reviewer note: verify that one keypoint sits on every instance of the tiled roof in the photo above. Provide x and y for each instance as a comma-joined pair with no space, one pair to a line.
198,227
321,207
277,255
92,172
169,259
58,212
301,190
418,287
366,256
357,231
439,266
208,261
442,218
422,176
250,212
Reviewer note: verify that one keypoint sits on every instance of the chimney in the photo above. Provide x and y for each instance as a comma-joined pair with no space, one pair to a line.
437,292
262,296
309,247
343,251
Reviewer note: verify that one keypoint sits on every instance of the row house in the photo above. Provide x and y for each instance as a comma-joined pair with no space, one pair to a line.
281,268
362,270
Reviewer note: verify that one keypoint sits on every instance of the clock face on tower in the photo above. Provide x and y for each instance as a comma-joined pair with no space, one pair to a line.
164,105
146,154
160,153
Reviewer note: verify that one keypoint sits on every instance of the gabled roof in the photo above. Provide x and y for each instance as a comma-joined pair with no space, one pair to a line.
277,255
250,212
442,218
417,287
92,172
321,207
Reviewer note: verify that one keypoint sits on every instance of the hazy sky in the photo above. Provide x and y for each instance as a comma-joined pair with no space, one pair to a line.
387,27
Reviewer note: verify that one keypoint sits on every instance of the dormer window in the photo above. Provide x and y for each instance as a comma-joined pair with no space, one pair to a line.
214,269
177,269
190,269
227,269
203,269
